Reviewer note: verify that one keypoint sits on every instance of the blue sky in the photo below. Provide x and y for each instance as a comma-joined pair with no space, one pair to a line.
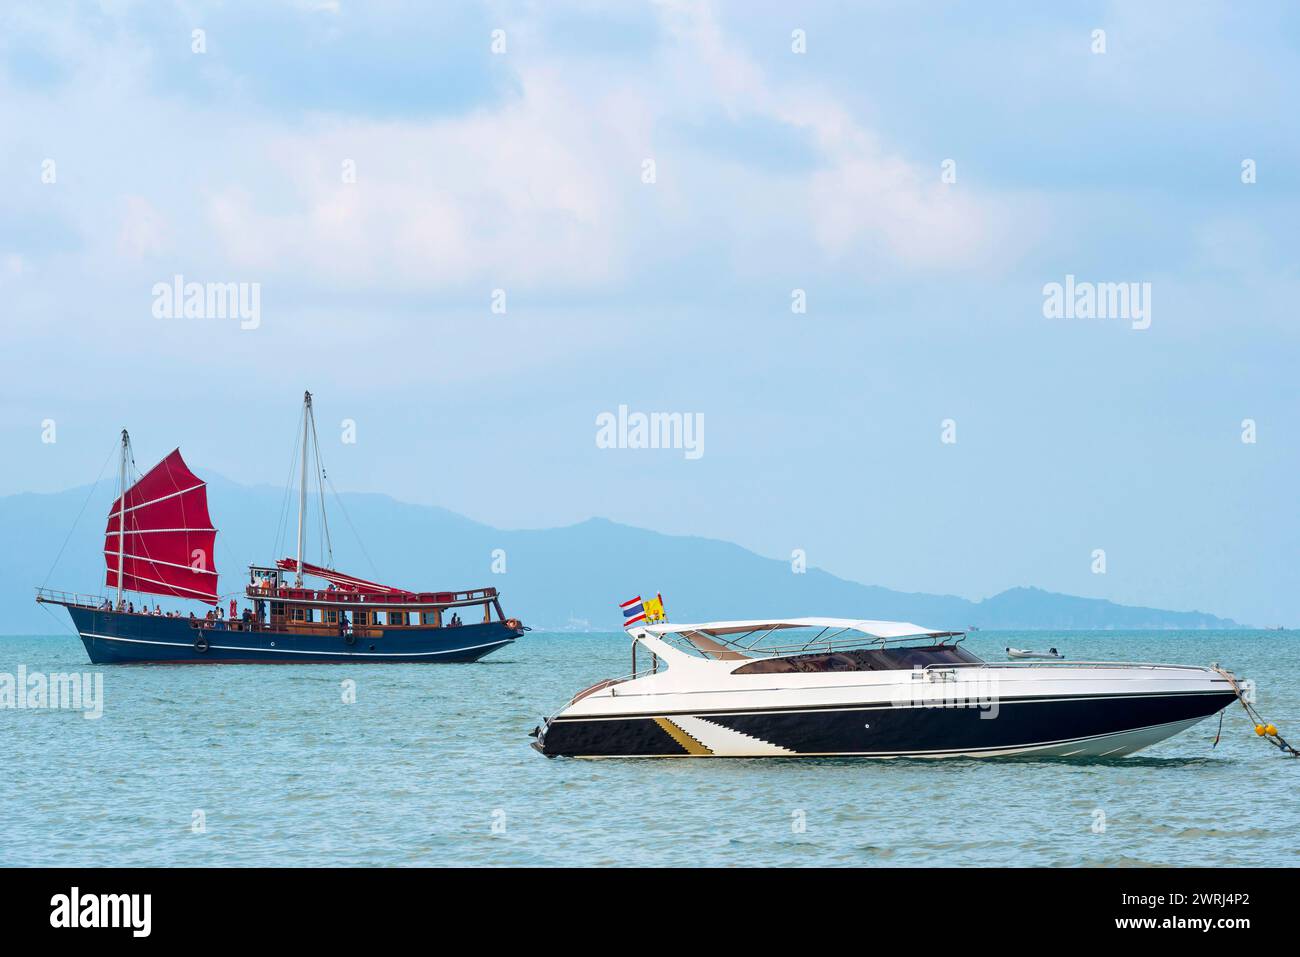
820,171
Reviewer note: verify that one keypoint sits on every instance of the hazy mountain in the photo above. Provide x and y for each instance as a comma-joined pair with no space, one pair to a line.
555,578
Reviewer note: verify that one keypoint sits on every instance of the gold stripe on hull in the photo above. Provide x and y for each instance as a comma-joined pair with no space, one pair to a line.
690,744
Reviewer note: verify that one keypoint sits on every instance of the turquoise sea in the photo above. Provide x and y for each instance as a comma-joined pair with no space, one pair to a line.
431,765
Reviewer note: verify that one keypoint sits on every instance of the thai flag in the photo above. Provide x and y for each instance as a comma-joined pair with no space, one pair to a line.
633,611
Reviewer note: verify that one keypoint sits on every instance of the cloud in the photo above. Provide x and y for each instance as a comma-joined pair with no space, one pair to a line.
522,194
11,267
863,197
144,229
542,188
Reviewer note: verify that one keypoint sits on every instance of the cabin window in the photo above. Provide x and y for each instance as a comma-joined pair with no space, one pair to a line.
397,618
331,616
883,659
428,618
277,609
297,614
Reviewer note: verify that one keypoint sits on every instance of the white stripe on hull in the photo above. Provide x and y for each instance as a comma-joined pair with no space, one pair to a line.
727,741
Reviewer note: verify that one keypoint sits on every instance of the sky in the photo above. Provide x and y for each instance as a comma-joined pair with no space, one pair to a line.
648,190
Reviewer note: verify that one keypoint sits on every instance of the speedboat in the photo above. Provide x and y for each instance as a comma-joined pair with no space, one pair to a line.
879,689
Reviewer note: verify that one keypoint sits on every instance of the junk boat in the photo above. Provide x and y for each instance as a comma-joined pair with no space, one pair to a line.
877,689
159,541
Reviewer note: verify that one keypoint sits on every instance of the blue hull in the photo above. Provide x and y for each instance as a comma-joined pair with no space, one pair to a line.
120,638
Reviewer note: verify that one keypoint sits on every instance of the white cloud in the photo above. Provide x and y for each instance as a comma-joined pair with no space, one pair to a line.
11,267
539,189
523,194
144,229
542,189
864,197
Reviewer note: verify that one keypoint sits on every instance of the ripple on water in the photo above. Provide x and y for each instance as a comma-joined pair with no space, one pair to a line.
431,765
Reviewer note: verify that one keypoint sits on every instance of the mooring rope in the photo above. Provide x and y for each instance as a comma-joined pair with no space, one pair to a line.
1265,729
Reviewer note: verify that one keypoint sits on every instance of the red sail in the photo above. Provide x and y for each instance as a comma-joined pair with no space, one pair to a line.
167,548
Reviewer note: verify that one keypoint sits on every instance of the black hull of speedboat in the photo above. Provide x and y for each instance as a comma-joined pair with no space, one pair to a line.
1092,726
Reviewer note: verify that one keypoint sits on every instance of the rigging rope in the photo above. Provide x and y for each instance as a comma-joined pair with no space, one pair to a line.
131,477
281,526
58,621
77,520
143,542
326,545
348,518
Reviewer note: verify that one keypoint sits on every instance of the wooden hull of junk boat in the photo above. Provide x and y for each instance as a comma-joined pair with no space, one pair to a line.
121,638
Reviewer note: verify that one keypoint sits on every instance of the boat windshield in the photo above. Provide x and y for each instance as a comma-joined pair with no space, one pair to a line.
862,659
810,643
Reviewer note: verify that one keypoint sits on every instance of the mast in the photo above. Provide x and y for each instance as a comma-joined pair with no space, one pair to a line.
302,490
121,516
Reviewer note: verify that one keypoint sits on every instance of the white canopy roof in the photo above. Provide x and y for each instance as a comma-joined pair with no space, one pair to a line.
875,629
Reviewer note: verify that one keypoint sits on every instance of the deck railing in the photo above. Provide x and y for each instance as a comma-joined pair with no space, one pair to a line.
57,597
839,641
1039,663
445,599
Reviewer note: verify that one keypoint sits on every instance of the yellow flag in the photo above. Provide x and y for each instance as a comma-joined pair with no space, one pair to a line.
654,608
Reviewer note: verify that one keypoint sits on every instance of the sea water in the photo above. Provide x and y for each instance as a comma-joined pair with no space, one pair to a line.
324,765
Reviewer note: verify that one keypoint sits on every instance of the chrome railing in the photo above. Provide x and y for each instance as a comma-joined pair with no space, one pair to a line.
608,683
1049,663
828,645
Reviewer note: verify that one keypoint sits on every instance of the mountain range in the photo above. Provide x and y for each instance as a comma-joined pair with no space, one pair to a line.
571,577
